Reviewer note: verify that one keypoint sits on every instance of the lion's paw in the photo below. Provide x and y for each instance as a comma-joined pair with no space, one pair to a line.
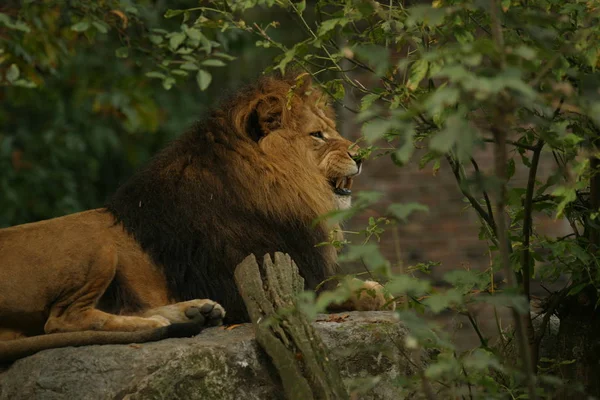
205,312
201,311
372,297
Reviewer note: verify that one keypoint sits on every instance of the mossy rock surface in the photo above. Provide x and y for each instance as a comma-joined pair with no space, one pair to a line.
217,364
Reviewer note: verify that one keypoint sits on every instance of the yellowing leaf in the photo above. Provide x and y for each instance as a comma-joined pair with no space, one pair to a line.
418,72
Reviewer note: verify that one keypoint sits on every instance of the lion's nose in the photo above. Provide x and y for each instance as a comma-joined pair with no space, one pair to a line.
357,159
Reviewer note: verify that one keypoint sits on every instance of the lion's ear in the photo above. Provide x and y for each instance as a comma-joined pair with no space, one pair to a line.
265,118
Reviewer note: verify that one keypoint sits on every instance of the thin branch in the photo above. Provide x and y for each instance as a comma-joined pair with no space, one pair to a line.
516,144
474,203
488,203
475,326
528,217
528,211
464,370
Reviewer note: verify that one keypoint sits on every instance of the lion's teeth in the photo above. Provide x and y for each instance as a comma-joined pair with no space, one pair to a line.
339,182
349,182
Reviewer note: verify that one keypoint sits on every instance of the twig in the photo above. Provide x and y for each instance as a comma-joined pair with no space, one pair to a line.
488,203
467,379
516,144
528,217
483,340
474,203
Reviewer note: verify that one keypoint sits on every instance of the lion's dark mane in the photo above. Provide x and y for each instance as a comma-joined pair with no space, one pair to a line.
185,211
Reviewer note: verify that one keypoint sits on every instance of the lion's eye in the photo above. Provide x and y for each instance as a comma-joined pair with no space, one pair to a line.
318,135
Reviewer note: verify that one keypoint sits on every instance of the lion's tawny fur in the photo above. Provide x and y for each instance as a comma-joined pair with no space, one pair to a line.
250,178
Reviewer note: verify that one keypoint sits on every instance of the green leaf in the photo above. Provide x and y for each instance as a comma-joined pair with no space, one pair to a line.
156,39
20,26
12,74
577,288
168,83
518,302
189,66
482,360
155,74
173,13
402,155
330,24
444,140
465,281
567,195
456,133
194,34
510,168
403,211
288,56
301,6
375,129
441,99
376,56
440,301
176,39
418,72
213,63
131,10
122,52
442,368
405,284
425,14
369,254
368,100
526,52
203,78
336,87
81,26
100,26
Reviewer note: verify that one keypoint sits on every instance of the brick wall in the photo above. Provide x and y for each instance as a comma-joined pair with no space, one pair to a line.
449,232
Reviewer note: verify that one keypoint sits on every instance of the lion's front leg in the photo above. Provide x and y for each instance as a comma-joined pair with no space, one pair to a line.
201,311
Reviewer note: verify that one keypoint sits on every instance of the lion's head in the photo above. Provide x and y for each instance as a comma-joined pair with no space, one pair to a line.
250,178
293,124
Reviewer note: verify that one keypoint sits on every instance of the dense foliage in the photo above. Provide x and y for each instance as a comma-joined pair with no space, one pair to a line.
451,76
84,100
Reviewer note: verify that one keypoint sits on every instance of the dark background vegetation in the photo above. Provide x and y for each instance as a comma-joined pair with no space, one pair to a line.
93,117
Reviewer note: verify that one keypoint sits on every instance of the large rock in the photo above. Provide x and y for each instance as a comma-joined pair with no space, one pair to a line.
217,364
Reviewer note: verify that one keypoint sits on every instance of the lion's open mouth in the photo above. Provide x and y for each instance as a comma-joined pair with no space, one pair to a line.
342,186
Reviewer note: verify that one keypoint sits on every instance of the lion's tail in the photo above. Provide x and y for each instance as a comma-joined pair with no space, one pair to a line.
12,350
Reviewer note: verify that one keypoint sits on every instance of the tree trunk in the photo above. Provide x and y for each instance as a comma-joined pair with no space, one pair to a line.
287,336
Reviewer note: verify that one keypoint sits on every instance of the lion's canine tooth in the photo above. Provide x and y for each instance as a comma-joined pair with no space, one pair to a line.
339,182
349,182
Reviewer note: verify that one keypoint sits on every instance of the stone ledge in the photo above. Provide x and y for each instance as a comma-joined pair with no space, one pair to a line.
218,364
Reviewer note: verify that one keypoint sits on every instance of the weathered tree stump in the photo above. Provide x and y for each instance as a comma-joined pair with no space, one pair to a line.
289,339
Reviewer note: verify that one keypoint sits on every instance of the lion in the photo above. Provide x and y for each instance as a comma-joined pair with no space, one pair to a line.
158,260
